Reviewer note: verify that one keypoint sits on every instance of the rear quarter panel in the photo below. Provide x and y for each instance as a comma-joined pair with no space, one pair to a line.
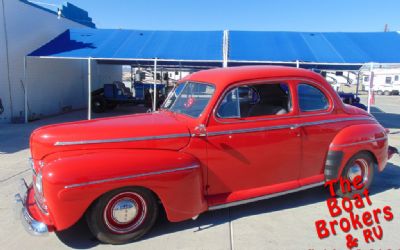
362,137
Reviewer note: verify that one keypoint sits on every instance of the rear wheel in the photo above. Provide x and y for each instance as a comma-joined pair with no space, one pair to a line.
379,92
361,164
387,92
122,215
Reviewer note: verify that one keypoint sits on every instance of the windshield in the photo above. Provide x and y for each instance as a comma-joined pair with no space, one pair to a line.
189,98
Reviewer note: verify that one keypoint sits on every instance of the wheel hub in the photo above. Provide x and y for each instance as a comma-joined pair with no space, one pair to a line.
354,171
359,168
124,211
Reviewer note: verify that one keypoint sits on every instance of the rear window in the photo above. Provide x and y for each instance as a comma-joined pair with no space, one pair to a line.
311,98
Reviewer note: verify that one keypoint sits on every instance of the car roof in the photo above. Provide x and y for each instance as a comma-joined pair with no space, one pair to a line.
223,77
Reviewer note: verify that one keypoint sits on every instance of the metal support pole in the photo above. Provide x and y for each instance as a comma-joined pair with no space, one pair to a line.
371,78
155,85
297,64
25,91
225,48
358,82
89,115
180,71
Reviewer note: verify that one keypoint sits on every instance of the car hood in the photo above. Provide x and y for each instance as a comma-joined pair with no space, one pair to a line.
159,130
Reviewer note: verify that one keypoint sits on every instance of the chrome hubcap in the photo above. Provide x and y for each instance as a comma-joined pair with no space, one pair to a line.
124,211
359,168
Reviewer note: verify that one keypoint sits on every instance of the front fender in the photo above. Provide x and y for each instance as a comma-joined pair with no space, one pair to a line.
73,180
353,139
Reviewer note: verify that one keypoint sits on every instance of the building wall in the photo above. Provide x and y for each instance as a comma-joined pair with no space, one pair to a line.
52,84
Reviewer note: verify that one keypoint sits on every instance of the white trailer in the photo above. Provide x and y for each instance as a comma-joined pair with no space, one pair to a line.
386,80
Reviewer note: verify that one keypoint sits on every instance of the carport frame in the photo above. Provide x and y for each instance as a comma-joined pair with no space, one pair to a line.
224,62
119,61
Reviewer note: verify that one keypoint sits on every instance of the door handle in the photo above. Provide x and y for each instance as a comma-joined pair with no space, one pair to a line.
294,126
295,129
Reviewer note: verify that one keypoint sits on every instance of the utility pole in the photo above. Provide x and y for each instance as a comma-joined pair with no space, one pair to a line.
386,28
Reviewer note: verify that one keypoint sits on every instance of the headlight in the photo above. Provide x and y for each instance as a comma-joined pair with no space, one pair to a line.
38,183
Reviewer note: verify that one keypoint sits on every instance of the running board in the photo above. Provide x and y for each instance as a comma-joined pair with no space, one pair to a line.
265,197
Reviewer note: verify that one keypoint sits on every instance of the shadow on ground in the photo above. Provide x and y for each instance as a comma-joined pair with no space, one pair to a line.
388,120
79,237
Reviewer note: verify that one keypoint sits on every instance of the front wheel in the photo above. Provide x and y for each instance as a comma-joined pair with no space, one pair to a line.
361,164
122,215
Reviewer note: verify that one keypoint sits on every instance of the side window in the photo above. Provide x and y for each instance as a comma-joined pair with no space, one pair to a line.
311,98
256,100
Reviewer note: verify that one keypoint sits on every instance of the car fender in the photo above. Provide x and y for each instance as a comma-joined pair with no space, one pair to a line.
72,181
353,139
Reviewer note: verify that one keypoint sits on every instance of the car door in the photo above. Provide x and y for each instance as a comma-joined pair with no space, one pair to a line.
252,138
319,125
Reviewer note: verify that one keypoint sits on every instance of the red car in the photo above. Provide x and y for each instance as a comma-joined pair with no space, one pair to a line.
223,137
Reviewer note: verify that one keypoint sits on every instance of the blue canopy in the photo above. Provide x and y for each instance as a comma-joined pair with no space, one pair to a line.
127,45
327,47
243,47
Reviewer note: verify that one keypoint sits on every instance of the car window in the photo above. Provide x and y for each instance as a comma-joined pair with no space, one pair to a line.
311,98
189,98
256,100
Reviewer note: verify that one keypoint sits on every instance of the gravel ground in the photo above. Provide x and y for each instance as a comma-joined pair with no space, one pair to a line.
285,222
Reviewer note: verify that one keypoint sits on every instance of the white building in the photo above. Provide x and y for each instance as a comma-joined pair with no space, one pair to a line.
52,85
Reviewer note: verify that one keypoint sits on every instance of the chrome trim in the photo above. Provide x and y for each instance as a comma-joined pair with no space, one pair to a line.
269,196
129,139
32,165
291,126
131,176
31,225
285,116
359,142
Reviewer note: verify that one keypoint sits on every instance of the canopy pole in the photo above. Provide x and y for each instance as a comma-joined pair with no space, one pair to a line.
25,91
297,64
225,48
89,115
370,87
180,71
155,85
358,82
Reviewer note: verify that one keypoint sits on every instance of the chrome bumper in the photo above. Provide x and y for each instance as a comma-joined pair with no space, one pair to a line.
31,225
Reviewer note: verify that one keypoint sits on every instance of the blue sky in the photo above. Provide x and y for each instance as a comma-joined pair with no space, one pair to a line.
277,15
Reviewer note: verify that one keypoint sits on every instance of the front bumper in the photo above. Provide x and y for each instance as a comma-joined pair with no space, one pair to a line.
22,203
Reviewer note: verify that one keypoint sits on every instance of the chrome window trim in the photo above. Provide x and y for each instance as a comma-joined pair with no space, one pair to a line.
265,197
293,125
359,142
131,176
286,80
128,139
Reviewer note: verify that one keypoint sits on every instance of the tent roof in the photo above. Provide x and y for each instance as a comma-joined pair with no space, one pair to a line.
317,47
108,44
205,48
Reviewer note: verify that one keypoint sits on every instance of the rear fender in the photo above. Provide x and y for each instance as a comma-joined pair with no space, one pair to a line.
72,181
353,139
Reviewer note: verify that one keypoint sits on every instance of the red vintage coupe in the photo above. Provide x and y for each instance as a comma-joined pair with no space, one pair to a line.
223,137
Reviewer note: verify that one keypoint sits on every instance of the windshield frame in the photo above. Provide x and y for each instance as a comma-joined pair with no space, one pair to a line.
186,83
